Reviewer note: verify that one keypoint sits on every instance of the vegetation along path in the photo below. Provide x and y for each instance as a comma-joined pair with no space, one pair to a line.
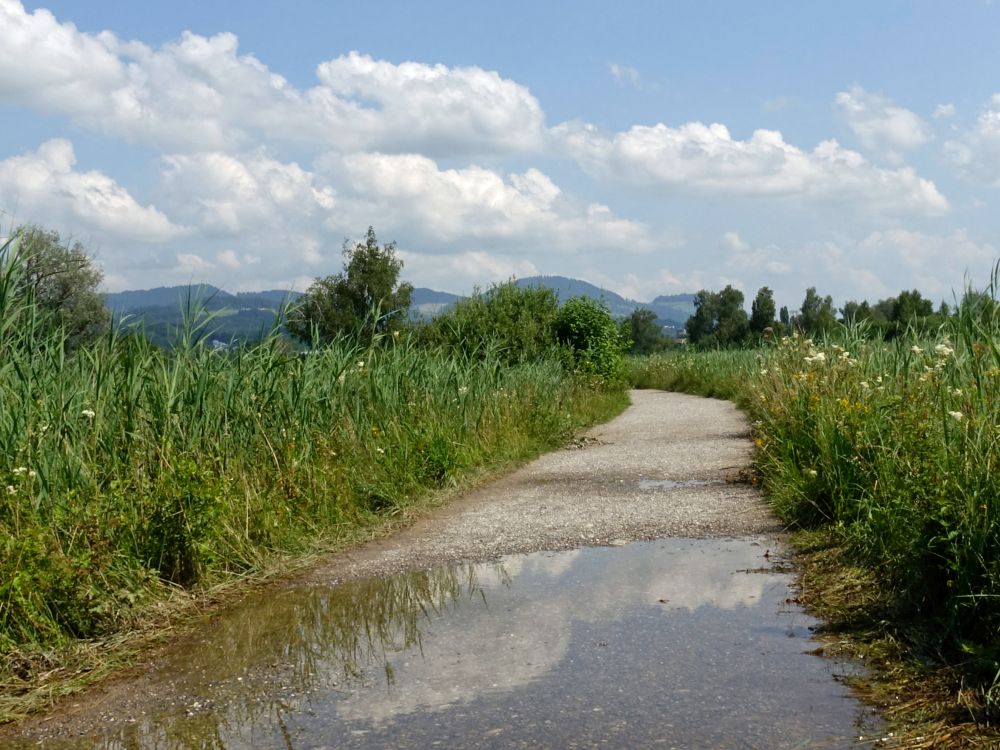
623,592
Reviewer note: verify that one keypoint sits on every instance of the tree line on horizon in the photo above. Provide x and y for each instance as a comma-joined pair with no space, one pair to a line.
720,319
366,300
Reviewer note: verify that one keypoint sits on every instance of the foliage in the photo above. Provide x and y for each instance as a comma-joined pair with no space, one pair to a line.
719,319
57,282
595,345
361,301
645,334
816,316
762,312
518,323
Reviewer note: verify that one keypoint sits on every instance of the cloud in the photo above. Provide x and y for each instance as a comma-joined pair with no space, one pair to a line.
434,109
225,194
626,75
881,126
937,265
43,186
944,111
707,159
454,208
976,152
199,94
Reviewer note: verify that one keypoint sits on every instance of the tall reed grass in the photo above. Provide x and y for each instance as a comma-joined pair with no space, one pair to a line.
126,469
893,446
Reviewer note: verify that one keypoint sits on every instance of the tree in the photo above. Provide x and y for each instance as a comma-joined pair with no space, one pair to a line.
762,311
644,332
816,316
60,281
361,301
719,319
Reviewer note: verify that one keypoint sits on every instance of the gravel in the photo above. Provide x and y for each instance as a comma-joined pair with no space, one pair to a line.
670,465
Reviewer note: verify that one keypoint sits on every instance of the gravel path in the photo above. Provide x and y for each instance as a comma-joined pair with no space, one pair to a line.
670,465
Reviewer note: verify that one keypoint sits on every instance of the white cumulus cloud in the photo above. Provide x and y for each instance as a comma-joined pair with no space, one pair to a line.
200,94
43,186
881,126
707,159
474,205
976,151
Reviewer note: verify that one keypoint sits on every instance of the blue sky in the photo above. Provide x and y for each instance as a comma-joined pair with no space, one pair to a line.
651,148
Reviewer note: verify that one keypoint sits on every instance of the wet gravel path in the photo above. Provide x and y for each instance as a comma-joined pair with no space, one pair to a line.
670,465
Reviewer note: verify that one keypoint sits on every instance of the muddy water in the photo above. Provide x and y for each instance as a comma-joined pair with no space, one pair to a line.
672,643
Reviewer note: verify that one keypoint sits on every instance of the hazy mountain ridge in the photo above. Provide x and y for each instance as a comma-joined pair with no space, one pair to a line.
246,315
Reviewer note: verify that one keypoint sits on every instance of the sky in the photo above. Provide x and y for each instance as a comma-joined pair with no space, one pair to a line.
647,147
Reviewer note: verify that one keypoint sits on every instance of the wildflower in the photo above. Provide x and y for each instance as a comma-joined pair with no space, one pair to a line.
20,470
11,490
956,415
956,391
811,473
763,371
380,450
865,386
376,430
817,357
845,355
88,413
32,474
341,378
462,390
361,364
943,350
916,349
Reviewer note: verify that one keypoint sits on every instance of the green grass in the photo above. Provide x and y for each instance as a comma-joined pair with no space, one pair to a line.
893,449
128,472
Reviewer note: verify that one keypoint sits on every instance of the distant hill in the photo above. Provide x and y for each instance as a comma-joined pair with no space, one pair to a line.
209,297
426,303
246,316
671,310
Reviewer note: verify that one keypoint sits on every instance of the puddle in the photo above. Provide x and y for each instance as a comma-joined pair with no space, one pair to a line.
673,484
669,643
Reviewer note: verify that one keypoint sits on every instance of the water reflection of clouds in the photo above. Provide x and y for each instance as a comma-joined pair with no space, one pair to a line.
526,630
373,651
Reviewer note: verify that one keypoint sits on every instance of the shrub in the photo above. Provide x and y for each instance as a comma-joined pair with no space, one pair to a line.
592,338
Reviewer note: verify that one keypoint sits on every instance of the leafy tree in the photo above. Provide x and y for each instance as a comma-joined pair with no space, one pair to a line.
762,311
591,336
784,318
644,333
719,319
816,316
361,301
60,281
700,326
520,320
